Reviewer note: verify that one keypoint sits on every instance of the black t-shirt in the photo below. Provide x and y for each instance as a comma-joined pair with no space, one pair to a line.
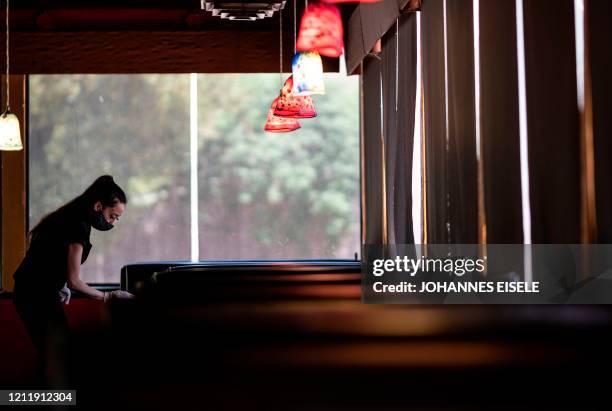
45,264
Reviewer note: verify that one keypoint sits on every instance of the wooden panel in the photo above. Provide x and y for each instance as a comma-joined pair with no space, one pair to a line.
14,188
228,51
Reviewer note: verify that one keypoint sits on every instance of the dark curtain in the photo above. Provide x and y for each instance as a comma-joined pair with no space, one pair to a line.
450,138
553,121
399,91
372,151
599,17
405,129
499,113
395,73
390,117
462,163
451,166
432,50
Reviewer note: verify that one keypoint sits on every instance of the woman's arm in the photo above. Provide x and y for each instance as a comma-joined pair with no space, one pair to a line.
75,251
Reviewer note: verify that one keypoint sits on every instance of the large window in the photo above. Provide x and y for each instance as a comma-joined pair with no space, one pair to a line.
203,178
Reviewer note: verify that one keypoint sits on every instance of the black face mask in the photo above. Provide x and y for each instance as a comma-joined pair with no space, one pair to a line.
99,222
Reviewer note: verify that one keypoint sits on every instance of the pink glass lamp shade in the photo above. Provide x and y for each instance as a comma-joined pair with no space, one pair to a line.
321,30
276,124
290,105
307,74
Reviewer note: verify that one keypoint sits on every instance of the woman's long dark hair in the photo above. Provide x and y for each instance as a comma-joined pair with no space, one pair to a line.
104,190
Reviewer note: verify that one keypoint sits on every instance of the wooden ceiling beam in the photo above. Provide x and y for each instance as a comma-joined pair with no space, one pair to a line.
220,51
92,18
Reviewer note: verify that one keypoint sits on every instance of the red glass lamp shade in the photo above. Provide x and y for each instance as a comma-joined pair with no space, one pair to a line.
290,105
321,30
276,124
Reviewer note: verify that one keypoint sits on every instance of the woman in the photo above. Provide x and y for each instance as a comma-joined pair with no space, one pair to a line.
57,246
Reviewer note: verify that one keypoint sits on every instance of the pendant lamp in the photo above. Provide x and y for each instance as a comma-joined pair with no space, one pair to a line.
321,30
307,74
290,105
10,134
276,124
307,67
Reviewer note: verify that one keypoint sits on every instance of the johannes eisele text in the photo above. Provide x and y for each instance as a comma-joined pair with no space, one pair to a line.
456,282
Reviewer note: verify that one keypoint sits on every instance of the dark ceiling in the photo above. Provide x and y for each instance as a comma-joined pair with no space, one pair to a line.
149,36
117,15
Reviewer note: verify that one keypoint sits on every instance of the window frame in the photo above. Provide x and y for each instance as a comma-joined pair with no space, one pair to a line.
14,186
11,258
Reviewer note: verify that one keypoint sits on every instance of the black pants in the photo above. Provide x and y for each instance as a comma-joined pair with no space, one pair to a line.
43,316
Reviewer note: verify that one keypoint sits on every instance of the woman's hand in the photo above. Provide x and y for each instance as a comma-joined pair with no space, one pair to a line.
65,294
117,295
75,251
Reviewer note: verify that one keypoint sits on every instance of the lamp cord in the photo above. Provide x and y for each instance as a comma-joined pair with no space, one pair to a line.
280,35
7,55
294,26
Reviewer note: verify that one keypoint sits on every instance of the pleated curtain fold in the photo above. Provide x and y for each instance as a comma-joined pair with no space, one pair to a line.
389,93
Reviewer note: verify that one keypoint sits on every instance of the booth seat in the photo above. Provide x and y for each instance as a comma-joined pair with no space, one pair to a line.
87,319
223,280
